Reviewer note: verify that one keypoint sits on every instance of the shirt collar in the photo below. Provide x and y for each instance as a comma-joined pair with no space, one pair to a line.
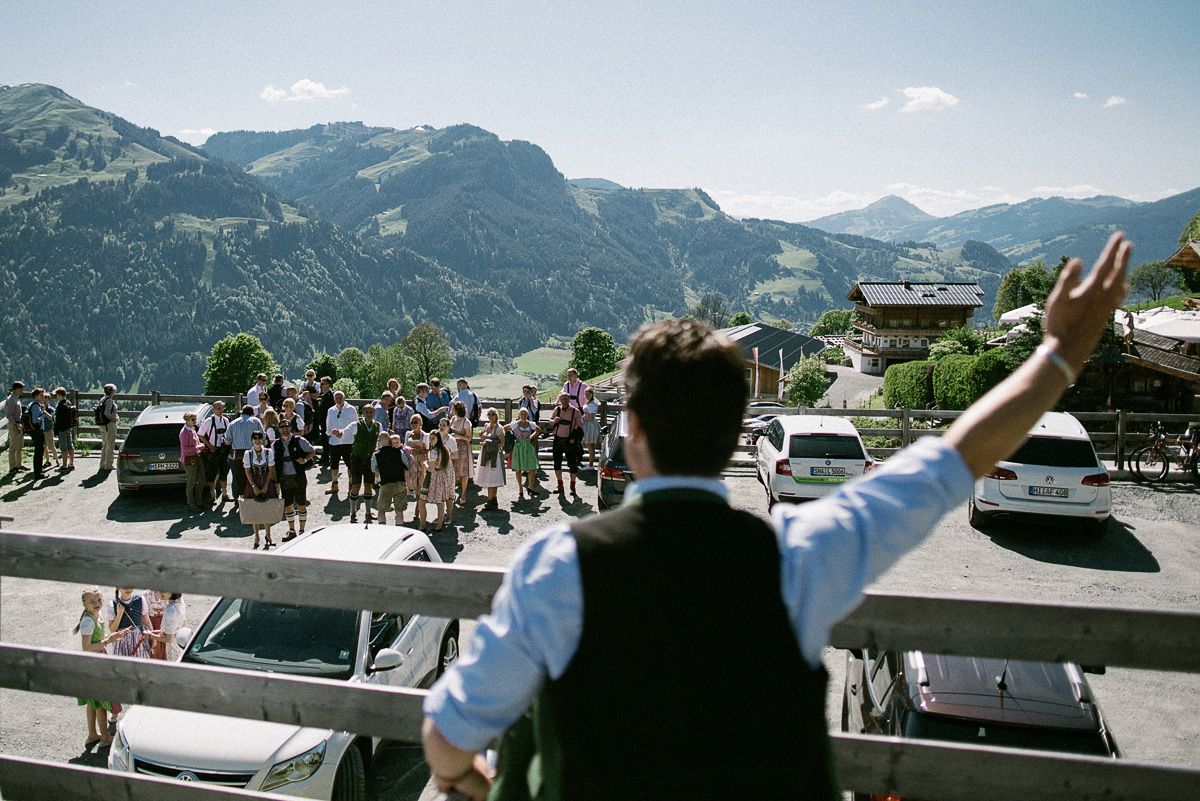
660,483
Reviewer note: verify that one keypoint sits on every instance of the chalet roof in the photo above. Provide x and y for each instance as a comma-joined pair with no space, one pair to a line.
769,340
1188,255
1161,353
913,293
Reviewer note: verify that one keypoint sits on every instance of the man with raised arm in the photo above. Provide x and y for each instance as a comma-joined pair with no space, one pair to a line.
675,644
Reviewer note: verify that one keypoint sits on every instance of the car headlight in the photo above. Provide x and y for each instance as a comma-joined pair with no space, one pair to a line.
296,769
120,751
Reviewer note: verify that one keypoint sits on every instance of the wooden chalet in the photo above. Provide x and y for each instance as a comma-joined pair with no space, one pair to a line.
771,342
897,321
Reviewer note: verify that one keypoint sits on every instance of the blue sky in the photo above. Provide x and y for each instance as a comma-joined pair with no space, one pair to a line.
789,110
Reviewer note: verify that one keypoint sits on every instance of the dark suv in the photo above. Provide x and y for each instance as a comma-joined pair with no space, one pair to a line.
1044,706
149,456
614,472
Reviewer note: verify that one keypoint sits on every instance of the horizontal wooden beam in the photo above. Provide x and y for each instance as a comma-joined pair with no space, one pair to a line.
1090,635
413,588
35,780
377,710
908,769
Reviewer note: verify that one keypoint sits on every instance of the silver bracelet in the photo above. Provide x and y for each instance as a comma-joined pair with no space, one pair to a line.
1055,358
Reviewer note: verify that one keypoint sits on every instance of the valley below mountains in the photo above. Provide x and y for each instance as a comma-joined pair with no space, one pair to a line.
125,255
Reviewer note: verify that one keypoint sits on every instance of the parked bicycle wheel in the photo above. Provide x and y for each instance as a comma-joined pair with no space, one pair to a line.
1151,463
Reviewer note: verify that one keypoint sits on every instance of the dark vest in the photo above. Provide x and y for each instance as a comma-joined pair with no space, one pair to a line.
391,465
688,682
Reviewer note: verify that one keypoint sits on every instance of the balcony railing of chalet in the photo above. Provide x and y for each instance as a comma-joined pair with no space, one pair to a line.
1135,638
888,351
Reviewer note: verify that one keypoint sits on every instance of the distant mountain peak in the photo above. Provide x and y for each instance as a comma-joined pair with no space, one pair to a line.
895,204
594,183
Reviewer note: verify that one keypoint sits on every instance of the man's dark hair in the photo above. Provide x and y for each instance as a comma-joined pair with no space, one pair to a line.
706,374
18,385
248,409
326,380
279,378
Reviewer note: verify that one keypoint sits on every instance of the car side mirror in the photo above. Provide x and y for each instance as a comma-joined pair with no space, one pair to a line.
387,659
183,637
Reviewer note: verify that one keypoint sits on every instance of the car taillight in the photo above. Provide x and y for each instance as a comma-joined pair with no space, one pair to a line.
610,472
128,455
783,468
1097,480
875,797
1001,474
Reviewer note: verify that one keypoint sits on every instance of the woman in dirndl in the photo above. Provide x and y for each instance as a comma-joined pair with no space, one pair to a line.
524,455
591,426
418,445
460,429
489,472
441,478
259,464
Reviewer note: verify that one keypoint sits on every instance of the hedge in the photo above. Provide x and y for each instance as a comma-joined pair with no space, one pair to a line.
955,381
908,385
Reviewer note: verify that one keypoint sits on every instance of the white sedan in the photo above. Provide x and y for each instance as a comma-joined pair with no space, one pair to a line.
373,648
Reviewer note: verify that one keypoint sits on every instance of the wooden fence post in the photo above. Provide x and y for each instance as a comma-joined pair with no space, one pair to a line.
238,404
507,411
603,413
905,427
155,397
1120,445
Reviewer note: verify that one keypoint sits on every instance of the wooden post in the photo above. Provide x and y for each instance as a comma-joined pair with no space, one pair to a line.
905,427
155,397
603,413
507,411
238,404
1120,444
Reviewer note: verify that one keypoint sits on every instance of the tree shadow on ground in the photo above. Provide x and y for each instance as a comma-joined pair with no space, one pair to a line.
1062,543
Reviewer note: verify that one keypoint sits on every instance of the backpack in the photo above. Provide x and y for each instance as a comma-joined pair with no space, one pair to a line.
27,417
101,419
476,410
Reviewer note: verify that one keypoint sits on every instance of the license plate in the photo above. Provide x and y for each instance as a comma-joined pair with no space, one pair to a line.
1051,492
161,466
828,471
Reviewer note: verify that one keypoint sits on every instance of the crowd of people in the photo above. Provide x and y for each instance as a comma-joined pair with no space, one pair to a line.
389,453
142,624
50,420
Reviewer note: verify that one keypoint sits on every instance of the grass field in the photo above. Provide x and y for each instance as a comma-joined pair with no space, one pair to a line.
543,361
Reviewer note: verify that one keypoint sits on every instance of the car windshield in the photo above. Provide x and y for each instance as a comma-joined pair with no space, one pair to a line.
1051,452
825,446
153,436
253,635
923,726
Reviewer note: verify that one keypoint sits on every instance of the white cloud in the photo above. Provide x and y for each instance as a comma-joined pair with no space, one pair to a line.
1080,95
927,98
878,104
1079,191
302,90
1115,100
196,136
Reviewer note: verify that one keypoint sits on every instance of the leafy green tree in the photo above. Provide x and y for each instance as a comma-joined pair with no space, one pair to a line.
741,318
383,363
347,386
1154,279
834,321
968,337
351,362
234,362
783,323
324,365
593,353
806,382
1022,286
429,351
1191,231
947,347
908,384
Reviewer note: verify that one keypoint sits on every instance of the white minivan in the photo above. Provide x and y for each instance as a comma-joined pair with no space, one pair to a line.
801,457
373,648
1055,474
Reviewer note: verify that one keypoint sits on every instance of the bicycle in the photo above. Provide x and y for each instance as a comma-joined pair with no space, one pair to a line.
1152,462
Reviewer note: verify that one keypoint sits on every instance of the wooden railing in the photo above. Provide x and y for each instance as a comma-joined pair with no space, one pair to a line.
1094,635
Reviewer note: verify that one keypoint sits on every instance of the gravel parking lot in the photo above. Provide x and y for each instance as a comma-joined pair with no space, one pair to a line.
1150,557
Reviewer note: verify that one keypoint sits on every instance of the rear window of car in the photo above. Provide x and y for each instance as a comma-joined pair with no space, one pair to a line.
154,436
825,446
922,726
1051,452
